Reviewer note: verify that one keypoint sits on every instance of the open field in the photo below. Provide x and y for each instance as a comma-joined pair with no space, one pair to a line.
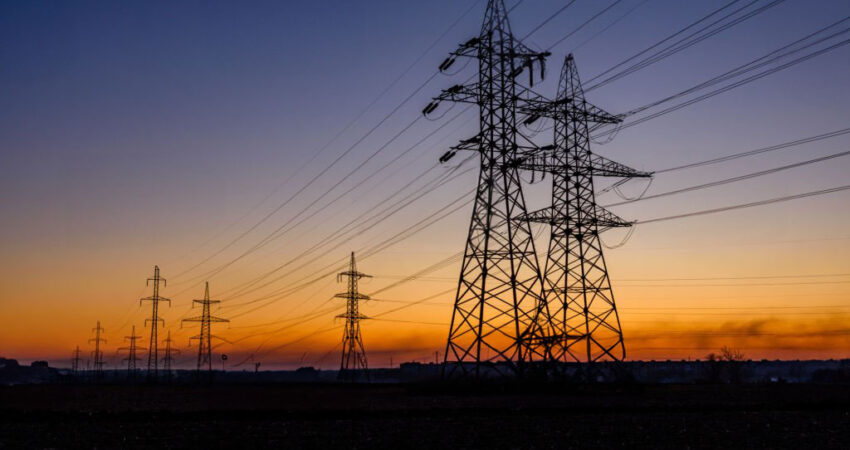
381,416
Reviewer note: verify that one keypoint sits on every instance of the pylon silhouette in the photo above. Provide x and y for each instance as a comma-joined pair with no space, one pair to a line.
131,350
97,354
583,324
168,358
205,336
498,294
353,354
155,299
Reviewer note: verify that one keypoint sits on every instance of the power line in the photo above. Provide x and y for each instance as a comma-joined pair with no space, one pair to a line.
585,23
734,179
733,85
756,151
746,205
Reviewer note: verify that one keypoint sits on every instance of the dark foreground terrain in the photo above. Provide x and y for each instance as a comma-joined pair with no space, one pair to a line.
798,416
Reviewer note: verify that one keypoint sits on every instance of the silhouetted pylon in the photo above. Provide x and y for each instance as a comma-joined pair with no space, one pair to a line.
168,359
97,354
353,354
583,324
498,294
155,299
205,336
75,361
131,350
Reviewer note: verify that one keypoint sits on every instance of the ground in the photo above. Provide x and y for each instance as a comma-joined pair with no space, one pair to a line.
389,416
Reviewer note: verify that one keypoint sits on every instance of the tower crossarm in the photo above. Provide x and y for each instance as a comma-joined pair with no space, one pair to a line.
602,166
154,299
459,93
351,316
600,217
352,273
536,106
352,296
542,159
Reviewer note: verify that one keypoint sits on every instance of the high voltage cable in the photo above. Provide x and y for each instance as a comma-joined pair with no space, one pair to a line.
738,71
702,19
752,65
756,151
757,277
364,227
738,155
354,120
339,182
733,179
281,230
419,193
321,173
354,223
428,221
734,85
746,205
685,43
548,19
576,30
215,271
348,126
608,27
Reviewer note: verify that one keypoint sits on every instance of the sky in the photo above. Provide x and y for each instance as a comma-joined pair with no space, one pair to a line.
136,134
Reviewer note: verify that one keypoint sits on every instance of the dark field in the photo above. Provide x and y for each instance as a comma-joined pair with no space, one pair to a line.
383,416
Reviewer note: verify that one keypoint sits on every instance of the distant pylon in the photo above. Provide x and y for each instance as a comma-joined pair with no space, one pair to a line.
205,337
168,359
97,354
498,293
132,357
155,299
75,361
583,322
353,353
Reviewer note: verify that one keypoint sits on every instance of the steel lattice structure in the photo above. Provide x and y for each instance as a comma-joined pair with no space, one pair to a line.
497,299
97,354
204,338
132,357
168,358
353,354
75,361
583,322
155,299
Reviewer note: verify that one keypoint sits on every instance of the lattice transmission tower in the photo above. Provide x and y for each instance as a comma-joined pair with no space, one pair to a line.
583,322
75,361
498,295
155,299
206,319
97,354
168,358
132,349
353,353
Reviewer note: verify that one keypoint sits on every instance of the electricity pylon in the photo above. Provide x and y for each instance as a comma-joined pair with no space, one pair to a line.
75,361
97,354
132,357
498,294
205,337
155,299
168,359
353,354
583,322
